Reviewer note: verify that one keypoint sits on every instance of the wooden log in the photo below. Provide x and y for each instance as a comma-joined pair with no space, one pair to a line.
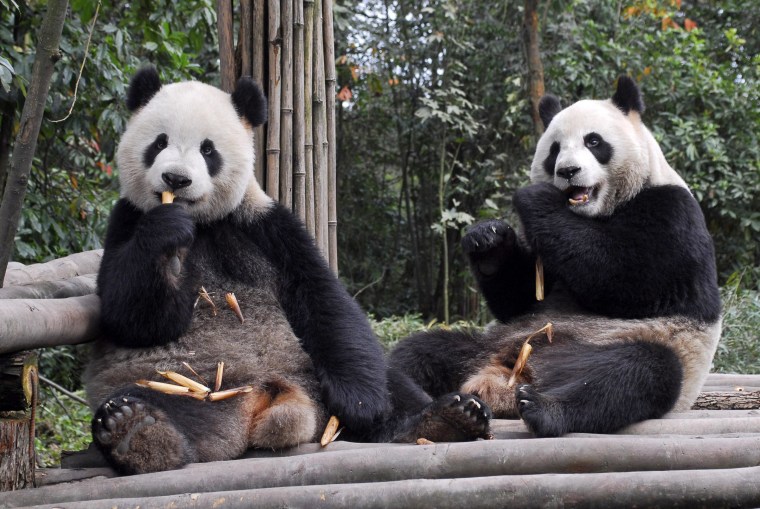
735,488
728,401
74,287
732,379
28,324
52,476
439,461
77,264
730,388
16,443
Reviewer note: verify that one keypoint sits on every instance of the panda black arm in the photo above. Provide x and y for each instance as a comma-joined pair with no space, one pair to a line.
333,329
652,257
146,291
502,267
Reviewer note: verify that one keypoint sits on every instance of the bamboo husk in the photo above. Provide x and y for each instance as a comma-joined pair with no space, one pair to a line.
275,100
286,111
320,136
308,89
330,83
299,118
258,36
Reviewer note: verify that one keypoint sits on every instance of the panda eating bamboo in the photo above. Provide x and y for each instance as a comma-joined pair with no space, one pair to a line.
630,284
296,350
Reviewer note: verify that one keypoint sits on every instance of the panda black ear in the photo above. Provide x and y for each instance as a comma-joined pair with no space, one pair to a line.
548,106
143,87
249,101
628,96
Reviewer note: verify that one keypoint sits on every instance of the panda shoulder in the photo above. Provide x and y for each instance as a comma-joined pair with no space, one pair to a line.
668,201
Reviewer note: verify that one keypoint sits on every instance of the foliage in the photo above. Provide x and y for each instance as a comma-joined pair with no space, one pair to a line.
739,349
61,425
73,183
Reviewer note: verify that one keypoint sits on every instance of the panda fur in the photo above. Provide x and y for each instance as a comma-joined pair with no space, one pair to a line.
305,346
630,282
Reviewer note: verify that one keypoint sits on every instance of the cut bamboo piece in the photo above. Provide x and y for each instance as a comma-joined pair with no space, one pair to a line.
163,387
221,395
522,357
189,367
205,296
539,280
330,431
219,375
424,441
233,304
167,197
185,382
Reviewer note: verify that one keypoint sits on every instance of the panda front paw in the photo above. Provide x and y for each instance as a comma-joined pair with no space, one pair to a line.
488,244
165,229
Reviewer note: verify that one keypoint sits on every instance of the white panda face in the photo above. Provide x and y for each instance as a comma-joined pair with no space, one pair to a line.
188,138
594,153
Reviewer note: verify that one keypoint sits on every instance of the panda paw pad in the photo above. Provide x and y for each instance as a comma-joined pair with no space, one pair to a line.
117,422
456,417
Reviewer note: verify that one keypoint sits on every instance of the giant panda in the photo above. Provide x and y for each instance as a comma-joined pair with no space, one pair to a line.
630,283
302,344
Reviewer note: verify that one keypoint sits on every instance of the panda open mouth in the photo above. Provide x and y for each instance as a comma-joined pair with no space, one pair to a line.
177,199
577,195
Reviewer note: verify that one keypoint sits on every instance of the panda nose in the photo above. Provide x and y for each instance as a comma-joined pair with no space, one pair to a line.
175,181
568,172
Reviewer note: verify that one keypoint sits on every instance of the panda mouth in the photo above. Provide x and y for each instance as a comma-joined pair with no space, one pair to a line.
177,199
577,196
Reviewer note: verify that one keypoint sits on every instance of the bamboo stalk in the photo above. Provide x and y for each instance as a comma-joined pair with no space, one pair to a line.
320,136
246,37
258,52
299,118
330,83
286,112
308,87
275,100
226,48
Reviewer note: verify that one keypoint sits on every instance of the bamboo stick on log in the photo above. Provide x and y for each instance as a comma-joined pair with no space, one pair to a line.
74,287
77,264
330,85
27,324
308,88
687,489
299,118
286,111
275,100
258,36
440,461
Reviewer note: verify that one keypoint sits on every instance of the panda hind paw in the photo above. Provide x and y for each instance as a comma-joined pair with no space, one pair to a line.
542,415
455,417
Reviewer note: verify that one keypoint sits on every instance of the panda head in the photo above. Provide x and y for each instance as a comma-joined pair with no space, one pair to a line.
598,152
192,139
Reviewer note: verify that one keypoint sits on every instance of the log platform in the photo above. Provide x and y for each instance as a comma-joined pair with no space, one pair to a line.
702,458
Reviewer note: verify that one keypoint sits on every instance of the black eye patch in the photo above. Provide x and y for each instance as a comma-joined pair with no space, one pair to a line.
212,157
551,159
599,147
155,148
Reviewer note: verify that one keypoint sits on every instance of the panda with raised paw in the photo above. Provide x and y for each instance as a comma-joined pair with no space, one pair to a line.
301,347
629,279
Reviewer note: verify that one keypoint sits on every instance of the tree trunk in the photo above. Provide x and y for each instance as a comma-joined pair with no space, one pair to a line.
18,385
6,130
727,401
533,58
31,120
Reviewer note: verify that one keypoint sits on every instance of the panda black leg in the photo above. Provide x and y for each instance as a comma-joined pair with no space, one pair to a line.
582,388
438,361
455,417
